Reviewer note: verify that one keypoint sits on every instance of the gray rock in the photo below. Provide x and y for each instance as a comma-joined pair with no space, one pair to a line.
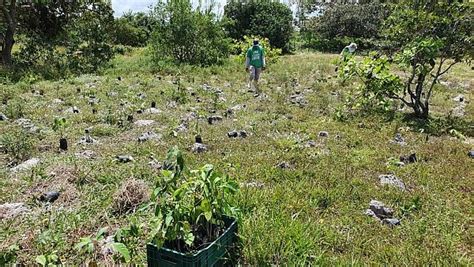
144,122
73,109
372,214
398,139
87,139
11,210
284,165
459,98
323,134
258,185
243,134
152,111
471,154
183,127
27,165
379,209
57,101
189,117
214,119
27,125
232,134
298,99
86,154
50,196
148,136
199,148
310,143
391,221
154,164
3,117
392,180
125,158
409,159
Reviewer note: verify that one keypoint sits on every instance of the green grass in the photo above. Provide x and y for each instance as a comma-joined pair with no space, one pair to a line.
311,213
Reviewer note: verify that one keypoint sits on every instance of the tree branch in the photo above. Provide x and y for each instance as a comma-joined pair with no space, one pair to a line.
435,79
449,67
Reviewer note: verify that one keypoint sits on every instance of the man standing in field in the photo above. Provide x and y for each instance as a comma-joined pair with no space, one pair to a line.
254,64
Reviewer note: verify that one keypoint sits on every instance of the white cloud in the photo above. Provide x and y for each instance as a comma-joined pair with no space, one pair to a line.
122,6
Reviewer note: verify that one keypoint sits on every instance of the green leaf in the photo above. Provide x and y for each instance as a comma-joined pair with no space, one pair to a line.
169,218
122,250
41,260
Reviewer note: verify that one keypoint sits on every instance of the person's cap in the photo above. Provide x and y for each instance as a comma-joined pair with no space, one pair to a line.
255,41
352,47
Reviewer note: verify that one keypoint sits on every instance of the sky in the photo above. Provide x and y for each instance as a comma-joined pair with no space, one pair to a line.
122,6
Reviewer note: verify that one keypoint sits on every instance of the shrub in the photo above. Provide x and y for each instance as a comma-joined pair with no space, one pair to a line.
125,33
188,36
269,19
18,144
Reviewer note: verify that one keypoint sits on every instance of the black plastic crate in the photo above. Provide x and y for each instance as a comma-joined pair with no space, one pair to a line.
209,256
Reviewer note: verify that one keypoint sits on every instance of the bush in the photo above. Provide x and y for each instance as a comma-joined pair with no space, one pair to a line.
18,144
127,34
188,36
341,24
269,19
431,39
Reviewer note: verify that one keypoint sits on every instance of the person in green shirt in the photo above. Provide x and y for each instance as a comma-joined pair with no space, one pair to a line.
254,64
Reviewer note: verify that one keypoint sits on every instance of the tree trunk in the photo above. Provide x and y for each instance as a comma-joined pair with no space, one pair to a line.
7,47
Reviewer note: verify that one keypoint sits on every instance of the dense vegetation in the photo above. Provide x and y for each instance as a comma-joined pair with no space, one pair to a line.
117,132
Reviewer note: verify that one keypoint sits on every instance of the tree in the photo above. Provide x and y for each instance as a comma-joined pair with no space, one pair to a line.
427,39
343,23
188,35
265,18
9,15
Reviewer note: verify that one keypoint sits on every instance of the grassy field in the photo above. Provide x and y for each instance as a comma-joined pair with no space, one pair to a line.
309,212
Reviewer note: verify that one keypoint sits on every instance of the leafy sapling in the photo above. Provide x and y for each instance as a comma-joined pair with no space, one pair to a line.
59,125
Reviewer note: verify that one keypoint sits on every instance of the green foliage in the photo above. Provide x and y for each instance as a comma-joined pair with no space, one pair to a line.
270,19
430,41
186,35
59,125
81,43
89,246
379,84
18,144
8,256
271,53
187,202
89,37
342,24
125,33
48,260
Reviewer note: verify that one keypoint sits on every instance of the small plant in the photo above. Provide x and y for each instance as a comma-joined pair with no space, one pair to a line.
50,259
90,246
60,125
190,205
18,144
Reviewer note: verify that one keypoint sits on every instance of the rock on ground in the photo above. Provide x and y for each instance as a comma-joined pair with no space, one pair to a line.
199,148
11,210
26,165
392,180
471,154
379,209
125,158
86,154
148,136
398,139
144,122
3,117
